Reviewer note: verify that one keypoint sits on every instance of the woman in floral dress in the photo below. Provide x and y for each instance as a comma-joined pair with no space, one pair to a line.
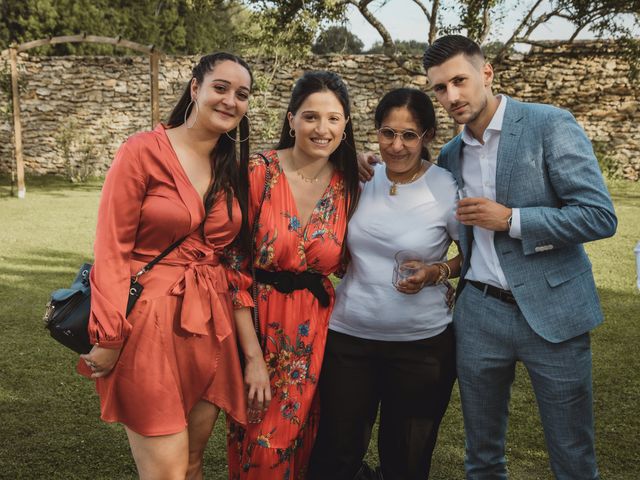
312,191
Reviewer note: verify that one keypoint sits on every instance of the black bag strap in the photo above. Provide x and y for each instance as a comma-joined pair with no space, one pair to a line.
163,254
254,230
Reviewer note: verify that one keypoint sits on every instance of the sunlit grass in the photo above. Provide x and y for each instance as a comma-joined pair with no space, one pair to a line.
49,422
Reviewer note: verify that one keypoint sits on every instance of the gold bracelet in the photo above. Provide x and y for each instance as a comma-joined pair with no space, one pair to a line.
446,265
445,272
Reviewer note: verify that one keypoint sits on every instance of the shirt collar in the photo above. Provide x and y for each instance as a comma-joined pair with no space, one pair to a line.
495,125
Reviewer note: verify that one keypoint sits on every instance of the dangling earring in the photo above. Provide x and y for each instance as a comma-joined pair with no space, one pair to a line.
344,136
292,133
192,102
244,139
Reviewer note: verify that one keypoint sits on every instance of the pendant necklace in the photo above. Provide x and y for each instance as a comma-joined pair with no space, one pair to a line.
393,189
306,179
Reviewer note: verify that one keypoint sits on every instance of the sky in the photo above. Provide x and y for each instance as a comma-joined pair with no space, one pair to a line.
405,21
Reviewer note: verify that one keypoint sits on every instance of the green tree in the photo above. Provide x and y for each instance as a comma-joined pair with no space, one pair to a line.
22,20
603,17
406,47
174,26
337,39
478,18
490,49
214,25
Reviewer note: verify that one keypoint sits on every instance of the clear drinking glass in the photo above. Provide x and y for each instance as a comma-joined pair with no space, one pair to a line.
407,263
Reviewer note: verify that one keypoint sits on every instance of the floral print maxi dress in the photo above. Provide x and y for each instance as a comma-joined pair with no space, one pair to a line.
295,324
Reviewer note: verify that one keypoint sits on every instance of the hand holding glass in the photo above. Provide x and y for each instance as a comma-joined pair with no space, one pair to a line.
407,264
463,193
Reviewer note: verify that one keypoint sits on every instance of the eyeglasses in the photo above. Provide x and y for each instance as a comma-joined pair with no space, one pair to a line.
387,135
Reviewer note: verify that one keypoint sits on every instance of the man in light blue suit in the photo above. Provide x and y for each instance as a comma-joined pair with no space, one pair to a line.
533,194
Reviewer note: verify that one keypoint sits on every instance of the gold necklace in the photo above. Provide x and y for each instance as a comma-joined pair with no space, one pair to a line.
307,179
393,189
303,177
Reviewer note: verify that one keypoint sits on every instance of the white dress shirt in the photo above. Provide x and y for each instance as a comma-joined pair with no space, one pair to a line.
479,162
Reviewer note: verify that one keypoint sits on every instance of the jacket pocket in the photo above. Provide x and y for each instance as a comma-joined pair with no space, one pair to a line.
560,276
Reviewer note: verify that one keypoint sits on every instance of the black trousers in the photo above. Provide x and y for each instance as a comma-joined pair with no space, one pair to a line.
412,383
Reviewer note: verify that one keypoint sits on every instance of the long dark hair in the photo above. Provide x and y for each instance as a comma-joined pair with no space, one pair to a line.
420,106
227,176
344,157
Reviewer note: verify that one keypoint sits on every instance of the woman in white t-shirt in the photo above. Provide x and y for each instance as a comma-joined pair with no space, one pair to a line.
392,346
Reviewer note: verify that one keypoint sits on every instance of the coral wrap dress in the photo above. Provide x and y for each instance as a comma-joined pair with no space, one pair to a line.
295,324
178,342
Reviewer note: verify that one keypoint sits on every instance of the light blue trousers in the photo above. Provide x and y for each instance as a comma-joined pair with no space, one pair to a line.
491,336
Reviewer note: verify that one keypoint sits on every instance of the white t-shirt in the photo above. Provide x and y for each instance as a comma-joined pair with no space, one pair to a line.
420,217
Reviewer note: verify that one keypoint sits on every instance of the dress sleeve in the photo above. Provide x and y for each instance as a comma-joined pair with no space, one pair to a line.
118,217
238,276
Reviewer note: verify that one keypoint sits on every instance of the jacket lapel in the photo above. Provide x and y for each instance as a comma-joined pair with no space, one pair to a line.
507,154
454,161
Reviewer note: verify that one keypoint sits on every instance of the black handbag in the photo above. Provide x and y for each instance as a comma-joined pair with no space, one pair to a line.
67,312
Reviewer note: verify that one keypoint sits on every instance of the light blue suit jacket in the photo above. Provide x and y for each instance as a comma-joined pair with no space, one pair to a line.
546,167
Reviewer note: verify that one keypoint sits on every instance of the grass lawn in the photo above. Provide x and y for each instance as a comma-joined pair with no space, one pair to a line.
49,423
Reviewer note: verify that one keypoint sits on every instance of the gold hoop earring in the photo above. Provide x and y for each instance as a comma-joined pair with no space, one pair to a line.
292,133
192,102
344,136
238,127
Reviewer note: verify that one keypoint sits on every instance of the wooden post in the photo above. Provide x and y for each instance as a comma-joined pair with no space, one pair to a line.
154,60
17,127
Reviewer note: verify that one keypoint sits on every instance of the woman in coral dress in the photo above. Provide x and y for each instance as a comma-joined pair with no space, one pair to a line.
313,189
166,369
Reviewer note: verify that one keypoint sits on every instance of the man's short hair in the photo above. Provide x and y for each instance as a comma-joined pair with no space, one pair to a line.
448,47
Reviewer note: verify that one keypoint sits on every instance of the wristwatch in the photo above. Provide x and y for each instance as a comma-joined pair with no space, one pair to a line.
509,222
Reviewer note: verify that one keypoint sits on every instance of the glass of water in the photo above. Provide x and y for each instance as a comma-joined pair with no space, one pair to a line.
407,263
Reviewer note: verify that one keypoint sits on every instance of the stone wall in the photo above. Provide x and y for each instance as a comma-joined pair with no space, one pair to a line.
77,110
588,80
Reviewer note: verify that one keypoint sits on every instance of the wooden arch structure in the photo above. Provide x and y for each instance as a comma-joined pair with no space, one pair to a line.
154,62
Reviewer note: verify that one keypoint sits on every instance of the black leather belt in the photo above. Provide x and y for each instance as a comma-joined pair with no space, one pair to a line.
500,294
287,282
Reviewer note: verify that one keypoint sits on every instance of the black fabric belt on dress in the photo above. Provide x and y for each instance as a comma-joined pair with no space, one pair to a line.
500,294
287,282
